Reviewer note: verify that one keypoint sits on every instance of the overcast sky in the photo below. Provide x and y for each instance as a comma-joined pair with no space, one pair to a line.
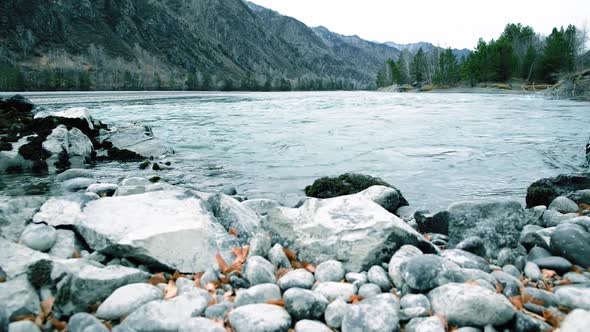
454,23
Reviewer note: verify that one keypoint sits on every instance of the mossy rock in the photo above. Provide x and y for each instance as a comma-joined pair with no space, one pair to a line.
347,184
544,191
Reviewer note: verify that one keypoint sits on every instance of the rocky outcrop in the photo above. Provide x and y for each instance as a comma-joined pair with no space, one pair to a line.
544,191
352,229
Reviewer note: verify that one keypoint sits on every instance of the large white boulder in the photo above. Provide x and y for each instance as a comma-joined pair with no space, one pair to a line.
352,229
136,138
81,113
170,229
15,258
78,147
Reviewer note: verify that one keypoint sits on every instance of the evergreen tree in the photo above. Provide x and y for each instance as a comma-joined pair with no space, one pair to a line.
418,67
447,71
559,53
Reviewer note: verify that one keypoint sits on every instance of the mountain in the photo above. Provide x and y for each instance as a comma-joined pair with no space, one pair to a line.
427,47
174,44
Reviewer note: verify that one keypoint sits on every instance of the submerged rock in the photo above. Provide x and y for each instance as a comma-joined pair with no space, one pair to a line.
169,229
351,229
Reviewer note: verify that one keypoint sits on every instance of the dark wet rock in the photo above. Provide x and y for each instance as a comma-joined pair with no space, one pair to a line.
402,255
261,293
424,272
527,323
533,239
563,205
547,299
330,270
465,259
573,243
335,312
260,317
511,286
258,270
556,263
538,252
544,191
498,224
532,271
229,190
299,278
505,256
472,244
432,222
19,298
144,164
351,183
84,322
305,304
376,313
511,270
470,305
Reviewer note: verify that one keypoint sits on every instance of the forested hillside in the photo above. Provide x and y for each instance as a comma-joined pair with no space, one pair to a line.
171,44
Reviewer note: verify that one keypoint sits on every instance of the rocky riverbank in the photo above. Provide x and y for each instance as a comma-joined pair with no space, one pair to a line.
144,255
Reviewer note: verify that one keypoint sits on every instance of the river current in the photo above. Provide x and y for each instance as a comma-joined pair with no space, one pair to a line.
437,148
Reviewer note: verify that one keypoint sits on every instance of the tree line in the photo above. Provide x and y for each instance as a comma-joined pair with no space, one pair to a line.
519,53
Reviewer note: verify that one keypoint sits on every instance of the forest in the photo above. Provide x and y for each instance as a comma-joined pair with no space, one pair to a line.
518,54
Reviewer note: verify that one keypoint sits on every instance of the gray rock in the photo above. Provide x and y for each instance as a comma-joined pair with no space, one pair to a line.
505,256
143,226
573,296
61,211
549,299
553,218
3,319
305,304
83,322
559,264
353,277
378,276
16,258
219,311
167,315
576,321
465,259
352,229
185,285
525,323
538,252
232,214
403,254
376,313
330,270
424,272
367,290
124,300
307,325
498,224
78,147
23,326
39,237
81,283
15,212
260,318
103,189
261,293
261,206
200,324
65,244
229,190
472,244
576,278
260,244
511,285
19,298
335,290
299,278
77,184
563,204
73,173
432,222
580,196
573,243
277,256
409,313
335,312
466,275
511,270
465,305
136,138
258,270
532,271
389,198
415,300
209,276
468,329
425,324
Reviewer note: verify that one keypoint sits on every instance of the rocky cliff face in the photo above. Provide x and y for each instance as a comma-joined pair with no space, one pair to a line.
157,43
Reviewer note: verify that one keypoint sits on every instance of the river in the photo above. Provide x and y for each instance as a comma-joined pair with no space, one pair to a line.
436,148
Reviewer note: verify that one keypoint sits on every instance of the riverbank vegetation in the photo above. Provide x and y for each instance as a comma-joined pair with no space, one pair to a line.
518,54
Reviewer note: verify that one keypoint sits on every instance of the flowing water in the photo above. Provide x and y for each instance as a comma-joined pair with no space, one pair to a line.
436,148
